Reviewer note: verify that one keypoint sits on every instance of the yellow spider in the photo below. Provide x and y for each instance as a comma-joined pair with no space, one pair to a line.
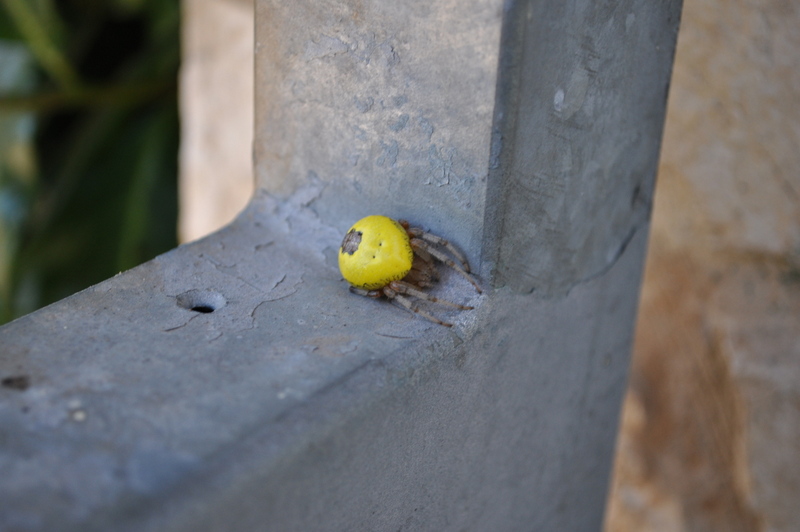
383,257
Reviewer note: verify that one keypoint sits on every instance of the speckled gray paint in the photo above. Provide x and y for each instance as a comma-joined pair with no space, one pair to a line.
581,104
291,404
299,406
388,103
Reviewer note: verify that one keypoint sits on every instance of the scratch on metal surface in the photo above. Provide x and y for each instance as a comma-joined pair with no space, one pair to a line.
395,337
615,258
217,264
184,324
294,288
221,268
282,279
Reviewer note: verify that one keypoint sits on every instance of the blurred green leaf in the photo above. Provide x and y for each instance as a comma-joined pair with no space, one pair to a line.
38,23
152,156
104,193
17,165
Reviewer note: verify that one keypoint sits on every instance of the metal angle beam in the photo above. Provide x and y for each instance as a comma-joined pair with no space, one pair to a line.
235,383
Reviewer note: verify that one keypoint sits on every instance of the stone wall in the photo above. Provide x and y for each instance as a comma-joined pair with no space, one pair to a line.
710,438
216,95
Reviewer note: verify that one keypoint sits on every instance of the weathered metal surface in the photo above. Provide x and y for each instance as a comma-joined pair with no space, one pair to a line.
282,401
581,102
299,406
388,103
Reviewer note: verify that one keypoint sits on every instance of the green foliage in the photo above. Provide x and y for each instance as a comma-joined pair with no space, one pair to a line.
88,143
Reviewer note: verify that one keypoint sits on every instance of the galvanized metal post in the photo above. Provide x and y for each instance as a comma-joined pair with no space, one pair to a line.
235,384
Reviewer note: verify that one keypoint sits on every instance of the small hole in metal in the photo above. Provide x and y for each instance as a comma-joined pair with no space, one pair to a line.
203,301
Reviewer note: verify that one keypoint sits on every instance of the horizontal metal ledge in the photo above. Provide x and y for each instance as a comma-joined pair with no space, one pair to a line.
283,399
130,390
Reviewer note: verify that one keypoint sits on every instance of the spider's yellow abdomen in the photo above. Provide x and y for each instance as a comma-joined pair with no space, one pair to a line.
375,252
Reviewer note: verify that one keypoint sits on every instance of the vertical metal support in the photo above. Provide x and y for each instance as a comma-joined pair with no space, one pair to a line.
387,105
580,110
